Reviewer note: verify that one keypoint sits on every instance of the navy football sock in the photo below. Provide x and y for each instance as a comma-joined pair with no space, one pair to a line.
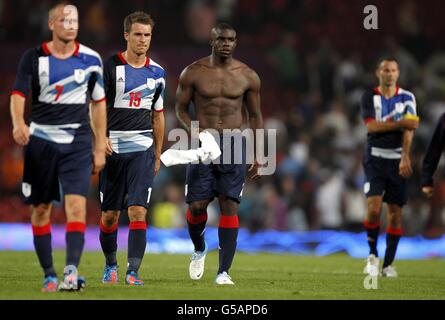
75,240
372,230
42,244
392,241
196,227
228,234
108,242
137,241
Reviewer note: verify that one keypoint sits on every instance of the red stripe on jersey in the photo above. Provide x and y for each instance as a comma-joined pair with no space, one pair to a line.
19,93
228,222
162,110
41,231
45,49
76,51
147,61
138,225
121,57
76,227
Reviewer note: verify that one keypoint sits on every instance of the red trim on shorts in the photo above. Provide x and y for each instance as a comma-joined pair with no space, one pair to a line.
196,220
138,225
41,231
371,225
76,227
228,221
100,100
19,93
368,120
106,229
394,232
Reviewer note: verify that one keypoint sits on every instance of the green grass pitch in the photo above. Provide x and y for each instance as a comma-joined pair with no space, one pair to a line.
257,276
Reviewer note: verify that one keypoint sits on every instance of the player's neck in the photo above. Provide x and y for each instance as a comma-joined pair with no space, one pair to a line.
388,92
134,60
218,61
61,49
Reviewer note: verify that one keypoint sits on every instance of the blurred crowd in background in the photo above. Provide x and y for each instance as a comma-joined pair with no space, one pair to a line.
315,60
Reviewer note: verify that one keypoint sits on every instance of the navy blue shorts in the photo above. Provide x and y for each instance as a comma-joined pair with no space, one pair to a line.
48,163
127,180
383,179
205,181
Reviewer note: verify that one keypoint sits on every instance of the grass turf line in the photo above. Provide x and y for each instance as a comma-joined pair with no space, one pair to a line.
257,276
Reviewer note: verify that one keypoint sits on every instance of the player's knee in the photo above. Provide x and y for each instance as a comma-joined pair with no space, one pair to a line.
76,211
374,213
41,212
109,219
197,209
137,213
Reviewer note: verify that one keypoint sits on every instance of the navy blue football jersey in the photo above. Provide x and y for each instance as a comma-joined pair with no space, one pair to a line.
61,89
132,95
375,107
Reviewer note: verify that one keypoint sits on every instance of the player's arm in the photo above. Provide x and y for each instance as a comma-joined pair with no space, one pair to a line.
373,126
405,168
99,127
378,126
432,157
184,95
159,123
20,130
98,114
252,101
158,134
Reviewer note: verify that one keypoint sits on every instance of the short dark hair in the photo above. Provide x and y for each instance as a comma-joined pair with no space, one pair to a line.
224,26
388,58
137,17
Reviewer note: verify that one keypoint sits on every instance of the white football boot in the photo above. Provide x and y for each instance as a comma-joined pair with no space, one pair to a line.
223,278
197,260
389,272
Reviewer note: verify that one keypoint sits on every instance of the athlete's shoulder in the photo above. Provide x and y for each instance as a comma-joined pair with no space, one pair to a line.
156,67
406,94
89,54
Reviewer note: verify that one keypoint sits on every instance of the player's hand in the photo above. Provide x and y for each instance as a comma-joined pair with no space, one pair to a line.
109,147
409,124
21,134
252,173
405,169
428,191
157,165
98,160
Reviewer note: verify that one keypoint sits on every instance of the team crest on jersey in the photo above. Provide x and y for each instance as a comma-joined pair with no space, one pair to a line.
79,75
151,83
400,107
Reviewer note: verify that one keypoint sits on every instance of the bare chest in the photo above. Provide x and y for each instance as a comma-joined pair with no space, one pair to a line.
221,84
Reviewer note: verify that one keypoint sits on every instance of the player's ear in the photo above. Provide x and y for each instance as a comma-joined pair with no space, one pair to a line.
126,34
